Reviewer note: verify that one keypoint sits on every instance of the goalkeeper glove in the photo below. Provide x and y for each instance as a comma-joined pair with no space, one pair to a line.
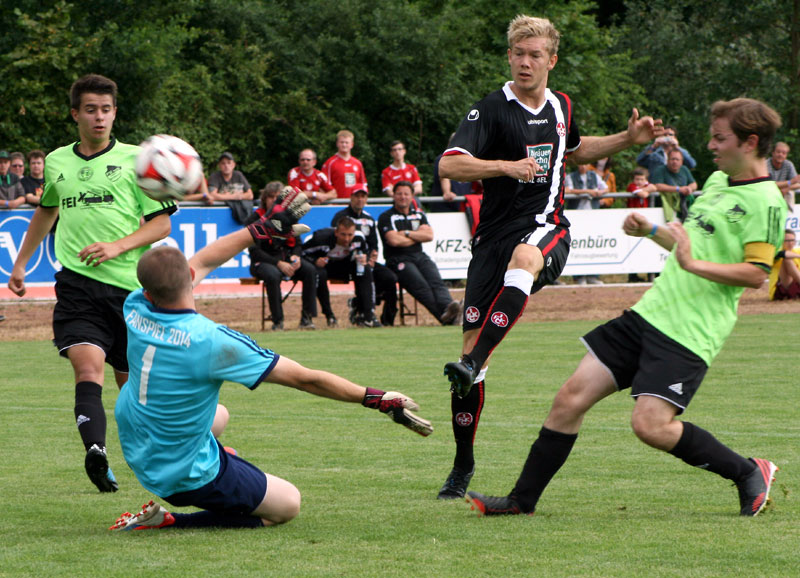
399,407
282,225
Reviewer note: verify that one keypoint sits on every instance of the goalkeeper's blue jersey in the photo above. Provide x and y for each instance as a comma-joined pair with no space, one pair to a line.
178,360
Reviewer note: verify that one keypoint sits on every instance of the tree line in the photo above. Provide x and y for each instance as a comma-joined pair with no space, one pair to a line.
266,78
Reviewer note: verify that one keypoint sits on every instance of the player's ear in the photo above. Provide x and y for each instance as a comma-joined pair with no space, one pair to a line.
146,294
193,273
553,60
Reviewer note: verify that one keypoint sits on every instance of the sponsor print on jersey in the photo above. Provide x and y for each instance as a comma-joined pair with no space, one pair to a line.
542,154
464,419
349,179
472,314
500,319
113,173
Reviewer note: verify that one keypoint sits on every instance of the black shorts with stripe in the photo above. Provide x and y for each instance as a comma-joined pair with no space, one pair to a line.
642,358
89,312
490,258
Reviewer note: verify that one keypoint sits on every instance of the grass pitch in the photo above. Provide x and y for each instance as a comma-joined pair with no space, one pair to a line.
617,508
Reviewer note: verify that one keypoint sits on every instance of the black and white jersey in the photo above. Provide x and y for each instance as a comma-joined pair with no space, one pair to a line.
500,127
364,223
323,244
394,220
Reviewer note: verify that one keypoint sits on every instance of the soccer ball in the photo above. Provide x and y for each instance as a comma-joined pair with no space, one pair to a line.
168,168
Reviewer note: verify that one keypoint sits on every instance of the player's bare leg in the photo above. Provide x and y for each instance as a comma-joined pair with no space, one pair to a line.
281,502
88,364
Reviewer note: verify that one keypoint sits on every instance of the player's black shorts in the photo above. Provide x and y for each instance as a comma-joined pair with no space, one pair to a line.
639,356
238,489
90,312
487,269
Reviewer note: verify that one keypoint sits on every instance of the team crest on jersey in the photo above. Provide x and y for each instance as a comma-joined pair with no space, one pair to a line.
113,173
474,114
561,129
464,419
735,214
472,314
85,174
500,319
542,154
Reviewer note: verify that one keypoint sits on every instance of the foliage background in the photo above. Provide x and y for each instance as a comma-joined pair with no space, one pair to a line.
265,78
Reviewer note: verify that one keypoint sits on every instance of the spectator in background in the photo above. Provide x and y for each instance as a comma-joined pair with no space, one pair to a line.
311,181
341,253
33,183
229,186
12,195
640,190
584,188
675,184
17,164
384,278
399,170
279,259
782,171
784,277
344,171
403,229
657,153
603,168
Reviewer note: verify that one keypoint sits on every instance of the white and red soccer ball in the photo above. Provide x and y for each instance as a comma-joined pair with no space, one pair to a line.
168,168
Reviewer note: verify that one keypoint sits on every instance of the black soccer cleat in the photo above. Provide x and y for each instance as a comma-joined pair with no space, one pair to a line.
754,489
96,464
455,486
494,506
462,374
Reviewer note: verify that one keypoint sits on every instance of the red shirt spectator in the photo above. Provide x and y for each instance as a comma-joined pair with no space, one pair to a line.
344,171
399,170
308,179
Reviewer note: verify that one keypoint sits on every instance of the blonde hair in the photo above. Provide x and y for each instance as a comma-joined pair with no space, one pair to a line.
523,27
345,134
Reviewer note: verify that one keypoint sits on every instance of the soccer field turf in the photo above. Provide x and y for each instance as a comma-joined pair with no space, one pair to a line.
617,508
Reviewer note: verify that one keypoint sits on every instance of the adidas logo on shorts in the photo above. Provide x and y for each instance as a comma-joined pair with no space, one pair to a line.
677,388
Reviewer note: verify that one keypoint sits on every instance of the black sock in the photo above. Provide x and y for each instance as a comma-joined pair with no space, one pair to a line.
209,519
700,449
89,413
504,312
548,453
466,413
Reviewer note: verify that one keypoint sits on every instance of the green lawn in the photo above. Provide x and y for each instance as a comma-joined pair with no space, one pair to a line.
617,508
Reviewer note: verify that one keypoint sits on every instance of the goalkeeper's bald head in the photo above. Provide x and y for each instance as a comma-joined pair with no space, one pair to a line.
165,275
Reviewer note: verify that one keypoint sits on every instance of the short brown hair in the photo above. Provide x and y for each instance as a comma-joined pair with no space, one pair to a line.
35,154
399,184
164,273
94,84
641,172
749,116
523,27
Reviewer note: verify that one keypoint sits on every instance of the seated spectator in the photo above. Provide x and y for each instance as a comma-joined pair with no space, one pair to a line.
33,183
399,170
17,164
308,179
782,171
344,171
385,279
784,279
657,153
585,187
12,195
229,186
403,229
279,259
603,168
341,253
675,184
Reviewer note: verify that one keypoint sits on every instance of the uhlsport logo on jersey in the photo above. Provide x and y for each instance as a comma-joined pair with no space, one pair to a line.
464,419
472,314
500,319
541,153
474,114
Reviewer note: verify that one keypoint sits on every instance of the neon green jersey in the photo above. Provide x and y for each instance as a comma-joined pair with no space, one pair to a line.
98,200
698,313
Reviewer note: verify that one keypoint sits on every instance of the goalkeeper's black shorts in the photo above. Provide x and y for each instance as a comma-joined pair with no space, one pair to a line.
489,263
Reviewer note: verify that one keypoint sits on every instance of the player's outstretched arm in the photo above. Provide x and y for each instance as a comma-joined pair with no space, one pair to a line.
640,130
398,406
212,256
41,223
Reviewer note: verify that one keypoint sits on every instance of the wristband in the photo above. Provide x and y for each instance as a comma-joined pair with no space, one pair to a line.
677,189
7,204
372,398
652,232
314,195
407,232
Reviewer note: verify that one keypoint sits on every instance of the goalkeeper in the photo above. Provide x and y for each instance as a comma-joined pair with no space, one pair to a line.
167,413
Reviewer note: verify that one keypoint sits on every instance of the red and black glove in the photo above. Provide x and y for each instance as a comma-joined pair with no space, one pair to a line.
399,407
284,224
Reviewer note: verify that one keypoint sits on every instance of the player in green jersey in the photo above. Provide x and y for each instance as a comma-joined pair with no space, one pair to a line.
662,347
105,224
